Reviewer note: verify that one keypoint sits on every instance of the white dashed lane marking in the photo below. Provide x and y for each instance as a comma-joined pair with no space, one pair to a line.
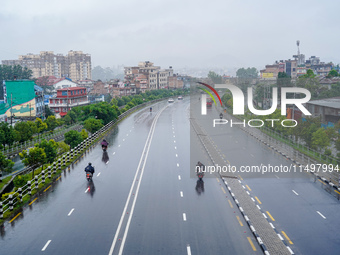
44,248
188,250
321,214
70,212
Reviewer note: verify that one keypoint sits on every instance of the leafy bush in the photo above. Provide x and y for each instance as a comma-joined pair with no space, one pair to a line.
21,180
6,195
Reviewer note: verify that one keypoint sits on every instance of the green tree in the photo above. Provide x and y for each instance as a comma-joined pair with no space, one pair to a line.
305,129
84,134
71,116
50,147
92,125
67,119
320,140
33,157
5,164
33,127
63,147
23,131
73,138
103,111
52,123
14,72
249,73
120,102
42,126
7,135
215,78
48,112
310,82
114,101
332,73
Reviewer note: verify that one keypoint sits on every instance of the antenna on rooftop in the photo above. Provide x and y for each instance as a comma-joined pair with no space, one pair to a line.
298,44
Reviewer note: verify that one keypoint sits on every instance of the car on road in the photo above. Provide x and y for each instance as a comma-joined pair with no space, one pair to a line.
180,98
170,100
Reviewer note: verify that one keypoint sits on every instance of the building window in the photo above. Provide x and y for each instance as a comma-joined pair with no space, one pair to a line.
64,93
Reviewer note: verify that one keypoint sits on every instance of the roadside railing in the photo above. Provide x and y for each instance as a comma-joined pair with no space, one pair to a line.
57,136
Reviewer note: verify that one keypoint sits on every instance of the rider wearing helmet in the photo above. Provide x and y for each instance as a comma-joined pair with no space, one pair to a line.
105,143
89,168
199,167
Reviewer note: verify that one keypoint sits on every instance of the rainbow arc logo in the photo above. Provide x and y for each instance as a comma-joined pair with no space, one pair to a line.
204,97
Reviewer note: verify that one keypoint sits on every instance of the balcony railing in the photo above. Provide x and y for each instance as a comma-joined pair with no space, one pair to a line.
70,104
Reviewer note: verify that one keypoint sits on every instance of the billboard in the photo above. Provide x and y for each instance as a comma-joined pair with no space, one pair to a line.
267,75
19,98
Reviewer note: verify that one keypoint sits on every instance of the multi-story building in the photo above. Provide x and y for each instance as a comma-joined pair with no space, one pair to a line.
271,71
147,76
291,68
68,98
75,65
79,65
175,82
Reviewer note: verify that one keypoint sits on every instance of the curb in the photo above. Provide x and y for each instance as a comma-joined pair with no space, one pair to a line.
258,238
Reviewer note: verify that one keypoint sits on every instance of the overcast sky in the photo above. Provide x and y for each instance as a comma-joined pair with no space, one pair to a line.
180,33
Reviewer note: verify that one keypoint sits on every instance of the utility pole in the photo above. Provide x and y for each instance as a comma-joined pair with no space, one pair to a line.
11,109
67,102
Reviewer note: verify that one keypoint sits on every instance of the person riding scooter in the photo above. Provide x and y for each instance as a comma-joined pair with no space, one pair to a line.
104,144
200,168
89,168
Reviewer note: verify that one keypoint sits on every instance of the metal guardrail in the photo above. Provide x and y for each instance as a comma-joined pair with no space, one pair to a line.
56,136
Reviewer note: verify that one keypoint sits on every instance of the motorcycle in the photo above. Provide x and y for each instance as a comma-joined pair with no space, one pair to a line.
104,147
89,176
200,175
200,170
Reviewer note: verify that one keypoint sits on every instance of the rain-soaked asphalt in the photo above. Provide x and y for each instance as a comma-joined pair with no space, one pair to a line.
166,212
303,213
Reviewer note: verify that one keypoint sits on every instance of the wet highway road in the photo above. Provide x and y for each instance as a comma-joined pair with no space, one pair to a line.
303,213
142,200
